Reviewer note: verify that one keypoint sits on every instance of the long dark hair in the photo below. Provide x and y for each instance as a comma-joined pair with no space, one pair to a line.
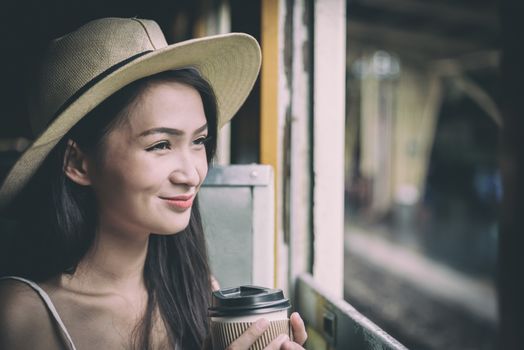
58,220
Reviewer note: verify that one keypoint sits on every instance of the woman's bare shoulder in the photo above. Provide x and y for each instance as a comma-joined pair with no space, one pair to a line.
24,319
19,303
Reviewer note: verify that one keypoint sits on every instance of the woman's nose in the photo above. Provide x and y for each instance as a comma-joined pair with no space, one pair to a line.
185,171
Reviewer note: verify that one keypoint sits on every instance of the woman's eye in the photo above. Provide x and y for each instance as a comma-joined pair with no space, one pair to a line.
201,141
164,145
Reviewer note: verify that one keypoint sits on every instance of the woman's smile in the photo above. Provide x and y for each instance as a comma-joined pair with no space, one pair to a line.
182,202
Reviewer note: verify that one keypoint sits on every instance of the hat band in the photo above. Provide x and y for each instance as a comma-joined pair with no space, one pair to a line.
93,81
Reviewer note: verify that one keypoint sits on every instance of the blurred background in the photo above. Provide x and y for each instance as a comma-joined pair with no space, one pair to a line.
426,126
423,185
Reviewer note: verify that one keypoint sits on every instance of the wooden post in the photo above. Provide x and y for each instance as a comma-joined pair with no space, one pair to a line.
269,126
328,137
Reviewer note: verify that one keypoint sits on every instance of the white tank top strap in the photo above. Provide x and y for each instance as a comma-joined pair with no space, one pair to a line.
49,304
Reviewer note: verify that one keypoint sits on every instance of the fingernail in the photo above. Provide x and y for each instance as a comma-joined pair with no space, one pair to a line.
262,324
294,315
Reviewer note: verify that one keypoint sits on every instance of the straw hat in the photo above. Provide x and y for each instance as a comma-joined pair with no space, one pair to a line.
83,68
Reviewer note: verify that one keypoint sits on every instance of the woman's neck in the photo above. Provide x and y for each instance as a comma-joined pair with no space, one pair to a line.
114,264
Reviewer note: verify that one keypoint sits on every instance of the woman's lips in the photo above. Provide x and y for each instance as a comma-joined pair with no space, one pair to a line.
180,202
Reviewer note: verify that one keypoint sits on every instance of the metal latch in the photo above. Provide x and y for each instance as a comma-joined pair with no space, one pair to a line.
329,326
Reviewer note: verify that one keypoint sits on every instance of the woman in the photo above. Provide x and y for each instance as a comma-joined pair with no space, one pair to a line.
107,192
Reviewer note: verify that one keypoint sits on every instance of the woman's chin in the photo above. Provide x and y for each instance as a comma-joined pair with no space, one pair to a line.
170,230
170,223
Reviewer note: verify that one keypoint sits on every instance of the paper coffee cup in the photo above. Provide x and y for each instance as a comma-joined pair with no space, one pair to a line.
233,311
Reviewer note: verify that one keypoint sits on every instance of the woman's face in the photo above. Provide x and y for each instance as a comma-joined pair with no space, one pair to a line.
154,163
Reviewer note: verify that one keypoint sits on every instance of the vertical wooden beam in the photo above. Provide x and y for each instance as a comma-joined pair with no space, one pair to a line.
328,137
269,85
298,67
269,126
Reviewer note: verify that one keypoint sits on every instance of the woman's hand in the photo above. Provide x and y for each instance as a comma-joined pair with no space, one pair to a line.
282,342
298,328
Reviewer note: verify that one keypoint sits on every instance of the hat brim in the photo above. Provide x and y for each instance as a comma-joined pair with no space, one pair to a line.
229,63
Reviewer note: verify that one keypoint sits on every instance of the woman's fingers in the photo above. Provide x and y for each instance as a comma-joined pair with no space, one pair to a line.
289,345
278,342
299,329
250,335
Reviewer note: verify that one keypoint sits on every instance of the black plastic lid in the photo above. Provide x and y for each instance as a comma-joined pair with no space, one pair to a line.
247,300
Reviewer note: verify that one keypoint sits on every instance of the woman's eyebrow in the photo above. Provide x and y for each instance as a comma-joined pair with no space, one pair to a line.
169,131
